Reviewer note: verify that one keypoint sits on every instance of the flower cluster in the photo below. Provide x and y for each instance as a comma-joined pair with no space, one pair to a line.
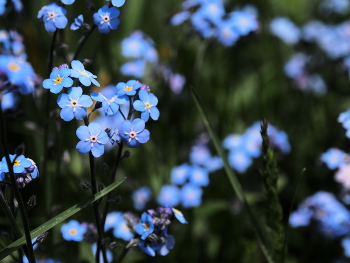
331,216
211,20
295,68
24,169
74,104
150,232
344,119
244,147
16,3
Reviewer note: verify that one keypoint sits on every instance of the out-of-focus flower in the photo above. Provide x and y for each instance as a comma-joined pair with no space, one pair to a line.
239,161
285,29
135,68
169,196
113,219
179,216
106,19
179,18
343,176
179,174
334,158
109,253
140,197
198,176
191,195
176,82
73,231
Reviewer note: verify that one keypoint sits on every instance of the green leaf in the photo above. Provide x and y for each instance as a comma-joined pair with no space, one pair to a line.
58,219
260,233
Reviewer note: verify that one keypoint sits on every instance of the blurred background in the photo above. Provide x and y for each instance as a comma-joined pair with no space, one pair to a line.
288,64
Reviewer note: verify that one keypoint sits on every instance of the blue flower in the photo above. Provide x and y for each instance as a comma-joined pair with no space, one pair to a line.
128,88
2,6
285,29
213,11
110,105
243,22
53,17
191,195
74,104
169,195
345,242
149,249
145,227
9,101
134,133
118,3
301,217
121,230
140,197
227,34
73,231
58,79
18,5
179,18
167,244
135,45
85,77
176,82
78,23
92,139
239,160
106,19
134,68
67,2
199,154
295,66
113,219
19,165
213,164
179,174
333,158
179,216
147,105
198,176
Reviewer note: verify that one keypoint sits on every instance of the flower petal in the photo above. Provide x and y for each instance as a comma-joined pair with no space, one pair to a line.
83,132
97,149
83,146
143,136
95,128
138,125
154,113
67,114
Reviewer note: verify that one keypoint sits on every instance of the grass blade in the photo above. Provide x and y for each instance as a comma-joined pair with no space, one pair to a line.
261,237
58,219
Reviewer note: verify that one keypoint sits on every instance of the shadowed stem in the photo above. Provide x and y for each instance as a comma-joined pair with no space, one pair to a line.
30,253
82,40
123,254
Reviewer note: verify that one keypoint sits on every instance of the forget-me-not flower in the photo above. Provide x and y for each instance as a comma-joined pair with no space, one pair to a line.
58,79
179,174
92,139
169,195
110,105
140,197
121,230
19,165
73,231
106,19
147,105
145,227
53,17
74,104
191,195
134,133
67,2
128,88
334,158
135,68
85,77
179,216
78,23
118,3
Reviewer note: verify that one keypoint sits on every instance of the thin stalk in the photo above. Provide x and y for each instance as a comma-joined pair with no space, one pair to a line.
10,216
112,179
122,255
18,196
82,41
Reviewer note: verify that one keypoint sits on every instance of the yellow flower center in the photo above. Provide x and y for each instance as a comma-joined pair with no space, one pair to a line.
16,163
146,225
85,73
147,105
176,211
73,231
13,67
58,80
128,88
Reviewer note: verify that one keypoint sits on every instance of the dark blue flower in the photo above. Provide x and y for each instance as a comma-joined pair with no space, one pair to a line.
58,79
106,19
74,104
92,139
128,88
78,23
145,227
134,133
168,243
53,17
110,105
147,105
73,231
85,77
148,248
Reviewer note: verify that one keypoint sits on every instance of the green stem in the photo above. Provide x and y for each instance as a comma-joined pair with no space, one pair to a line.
18,196
10,216
123,254
82,41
